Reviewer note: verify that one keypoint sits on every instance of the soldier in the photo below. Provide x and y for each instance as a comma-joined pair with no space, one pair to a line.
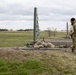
73,33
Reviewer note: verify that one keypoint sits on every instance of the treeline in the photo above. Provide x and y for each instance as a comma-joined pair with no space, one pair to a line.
3,29
17,30
25,30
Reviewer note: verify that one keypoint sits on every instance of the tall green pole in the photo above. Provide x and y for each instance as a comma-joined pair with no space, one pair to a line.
36,26
35,11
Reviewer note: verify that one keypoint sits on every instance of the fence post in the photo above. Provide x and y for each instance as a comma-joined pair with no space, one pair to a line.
67,31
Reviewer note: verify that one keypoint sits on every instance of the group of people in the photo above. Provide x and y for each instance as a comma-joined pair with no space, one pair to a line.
73,33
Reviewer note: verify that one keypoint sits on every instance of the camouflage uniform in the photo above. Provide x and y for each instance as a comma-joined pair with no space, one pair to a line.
73,36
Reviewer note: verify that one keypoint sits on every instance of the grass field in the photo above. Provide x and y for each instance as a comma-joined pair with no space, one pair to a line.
11,39
33,62
37,62
17,38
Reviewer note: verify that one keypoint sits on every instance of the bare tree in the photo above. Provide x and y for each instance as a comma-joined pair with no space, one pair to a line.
49,31
55,32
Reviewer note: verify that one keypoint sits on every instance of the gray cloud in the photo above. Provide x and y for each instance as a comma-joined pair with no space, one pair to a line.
48,10
14,12
20,10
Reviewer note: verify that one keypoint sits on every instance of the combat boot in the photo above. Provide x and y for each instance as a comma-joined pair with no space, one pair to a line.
73,48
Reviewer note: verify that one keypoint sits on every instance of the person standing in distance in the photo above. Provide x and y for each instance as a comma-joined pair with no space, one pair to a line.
73,33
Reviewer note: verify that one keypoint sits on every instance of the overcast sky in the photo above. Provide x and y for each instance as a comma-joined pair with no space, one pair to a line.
18,14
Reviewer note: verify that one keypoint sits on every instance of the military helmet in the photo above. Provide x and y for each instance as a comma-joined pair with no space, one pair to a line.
72,19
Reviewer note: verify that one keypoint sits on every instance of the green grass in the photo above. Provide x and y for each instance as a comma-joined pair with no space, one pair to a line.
17,38
35,62
28,67
58,35
11,39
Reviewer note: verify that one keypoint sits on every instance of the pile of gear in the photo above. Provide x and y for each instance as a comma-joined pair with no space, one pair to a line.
45,44
41,44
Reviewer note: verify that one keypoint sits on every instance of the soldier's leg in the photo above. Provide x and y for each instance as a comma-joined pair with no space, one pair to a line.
74,42
73,48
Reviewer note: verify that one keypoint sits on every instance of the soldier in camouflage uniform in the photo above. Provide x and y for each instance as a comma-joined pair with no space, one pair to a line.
73,33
